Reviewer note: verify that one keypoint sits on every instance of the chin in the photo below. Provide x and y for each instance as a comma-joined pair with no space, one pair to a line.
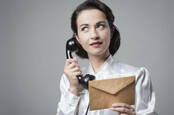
98,53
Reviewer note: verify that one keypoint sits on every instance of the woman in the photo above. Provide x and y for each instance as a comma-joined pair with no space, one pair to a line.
98,40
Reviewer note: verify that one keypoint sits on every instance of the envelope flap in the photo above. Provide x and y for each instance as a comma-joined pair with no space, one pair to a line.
112,86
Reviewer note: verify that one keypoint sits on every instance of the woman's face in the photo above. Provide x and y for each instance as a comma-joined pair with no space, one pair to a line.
93,32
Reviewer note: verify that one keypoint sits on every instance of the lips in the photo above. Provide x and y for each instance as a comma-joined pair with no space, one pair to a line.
96,44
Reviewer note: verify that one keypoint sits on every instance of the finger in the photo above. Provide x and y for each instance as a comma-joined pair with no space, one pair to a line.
78,73
121,109
74,62
69,61
133,113
75,74
122,105
76,69
72,65
124,114
132,109
75,59
125,111
119,113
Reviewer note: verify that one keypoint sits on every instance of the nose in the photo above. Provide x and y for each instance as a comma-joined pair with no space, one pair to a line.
94,34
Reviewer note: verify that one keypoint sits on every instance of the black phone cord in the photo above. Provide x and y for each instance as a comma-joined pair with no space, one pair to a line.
87,110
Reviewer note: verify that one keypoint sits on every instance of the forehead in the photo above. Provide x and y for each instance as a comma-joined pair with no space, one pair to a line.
90,16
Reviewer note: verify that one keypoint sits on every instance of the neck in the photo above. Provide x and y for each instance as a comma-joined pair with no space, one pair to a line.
97,62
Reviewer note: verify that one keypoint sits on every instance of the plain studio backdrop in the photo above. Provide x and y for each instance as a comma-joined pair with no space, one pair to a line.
33,34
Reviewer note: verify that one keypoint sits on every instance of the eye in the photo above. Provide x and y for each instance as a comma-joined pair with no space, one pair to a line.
84,29
101,26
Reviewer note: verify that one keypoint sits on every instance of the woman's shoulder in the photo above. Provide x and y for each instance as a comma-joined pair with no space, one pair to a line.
128,68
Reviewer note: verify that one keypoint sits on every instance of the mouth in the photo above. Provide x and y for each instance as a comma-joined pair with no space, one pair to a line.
96,44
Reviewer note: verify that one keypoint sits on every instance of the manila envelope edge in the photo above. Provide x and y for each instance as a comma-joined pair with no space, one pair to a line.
126,95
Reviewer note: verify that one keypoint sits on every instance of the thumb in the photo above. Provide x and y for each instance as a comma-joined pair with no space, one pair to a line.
75,58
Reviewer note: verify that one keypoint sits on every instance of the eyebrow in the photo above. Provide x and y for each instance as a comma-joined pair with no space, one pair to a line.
101,22
83,25
88,24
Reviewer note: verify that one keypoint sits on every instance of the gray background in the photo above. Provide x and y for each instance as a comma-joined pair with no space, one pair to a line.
32,50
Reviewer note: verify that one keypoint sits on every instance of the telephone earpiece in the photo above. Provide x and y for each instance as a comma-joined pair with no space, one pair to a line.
71,46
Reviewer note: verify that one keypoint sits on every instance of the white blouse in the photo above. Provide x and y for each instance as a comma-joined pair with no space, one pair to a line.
71,104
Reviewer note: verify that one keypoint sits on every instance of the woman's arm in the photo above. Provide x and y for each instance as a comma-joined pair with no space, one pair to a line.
69,88
145,95
68,103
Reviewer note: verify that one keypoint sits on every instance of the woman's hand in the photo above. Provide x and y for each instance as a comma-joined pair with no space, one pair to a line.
71,70
123,109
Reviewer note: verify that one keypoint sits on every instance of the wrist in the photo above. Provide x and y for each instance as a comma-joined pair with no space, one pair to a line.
75,91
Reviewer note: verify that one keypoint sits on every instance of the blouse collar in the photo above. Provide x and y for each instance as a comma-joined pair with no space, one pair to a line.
104,66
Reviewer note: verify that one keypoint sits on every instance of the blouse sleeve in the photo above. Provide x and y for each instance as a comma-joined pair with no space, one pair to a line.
145,95
68,102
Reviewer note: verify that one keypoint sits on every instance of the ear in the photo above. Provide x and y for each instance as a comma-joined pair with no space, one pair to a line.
76,36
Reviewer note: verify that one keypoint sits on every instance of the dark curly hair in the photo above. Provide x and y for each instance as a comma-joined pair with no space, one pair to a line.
96,4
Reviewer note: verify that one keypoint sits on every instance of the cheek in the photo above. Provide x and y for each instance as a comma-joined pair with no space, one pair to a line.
83,41
107,36
107,39
83,38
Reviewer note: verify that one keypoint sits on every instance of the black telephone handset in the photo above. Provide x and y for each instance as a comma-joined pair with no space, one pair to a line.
71,46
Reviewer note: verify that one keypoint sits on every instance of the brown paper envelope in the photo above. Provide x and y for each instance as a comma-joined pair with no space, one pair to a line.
103,93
